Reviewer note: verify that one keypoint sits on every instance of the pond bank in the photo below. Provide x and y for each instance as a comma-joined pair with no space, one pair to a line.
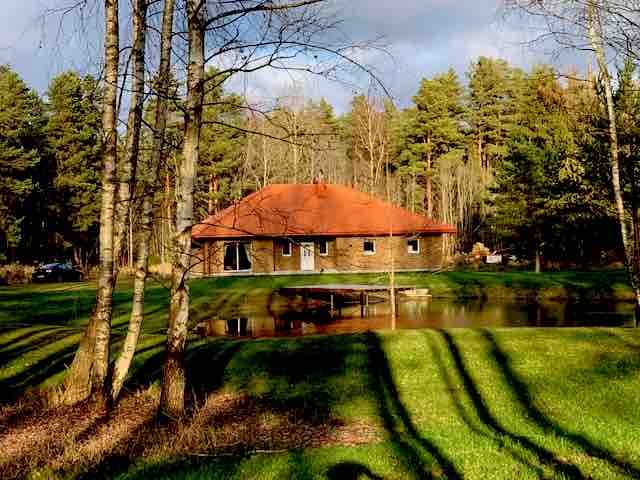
70,304
597,286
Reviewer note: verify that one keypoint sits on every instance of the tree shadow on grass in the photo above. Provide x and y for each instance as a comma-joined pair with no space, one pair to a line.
615,337
486,424
351,471
521,392
52,355
38,339
205,367
295,385
30,332
35,373
409,443
303,378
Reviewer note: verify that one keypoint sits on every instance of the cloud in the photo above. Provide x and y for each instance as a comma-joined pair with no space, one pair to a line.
421,38
39,41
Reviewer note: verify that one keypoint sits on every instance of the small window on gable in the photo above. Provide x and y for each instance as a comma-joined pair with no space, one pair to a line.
286,248
369,247
413,245
323,248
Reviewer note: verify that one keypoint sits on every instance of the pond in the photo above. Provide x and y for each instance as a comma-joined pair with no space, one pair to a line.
251,321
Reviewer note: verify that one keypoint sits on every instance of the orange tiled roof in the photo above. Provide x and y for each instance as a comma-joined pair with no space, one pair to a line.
313,210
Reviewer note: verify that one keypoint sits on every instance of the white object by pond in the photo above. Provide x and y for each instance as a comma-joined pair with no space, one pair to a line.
494,259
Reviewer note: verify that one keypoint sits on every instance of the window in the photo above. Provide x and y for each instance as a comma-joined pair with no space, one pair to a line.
369,247
236,257
413,245
323,248
286,248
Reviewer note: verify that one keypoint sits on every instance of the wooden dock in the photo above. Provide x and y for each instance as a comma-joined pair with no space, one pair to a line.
337,293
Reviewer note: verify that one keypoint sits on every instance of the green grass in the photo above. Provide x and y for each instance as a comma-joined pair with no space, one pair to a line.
525,403
519,403
497,403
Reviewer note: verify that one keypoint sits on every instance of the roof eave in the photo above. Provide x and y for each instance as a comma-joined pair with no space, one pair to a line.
439,230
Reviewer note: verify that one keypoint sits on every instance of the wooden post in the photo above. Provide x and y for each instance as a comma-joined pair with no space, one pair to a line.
332,304
361,304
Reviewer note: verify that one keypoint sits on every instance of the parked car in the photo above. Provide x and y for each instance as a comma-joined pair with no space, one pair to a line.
56,272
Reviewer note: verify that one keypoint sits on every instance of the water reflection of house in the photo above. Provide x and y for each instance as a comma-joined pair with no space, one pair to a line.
315,228
255,325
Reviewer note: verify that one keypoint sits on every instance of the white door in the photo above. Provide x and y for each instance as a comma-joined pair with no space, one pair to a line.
307,256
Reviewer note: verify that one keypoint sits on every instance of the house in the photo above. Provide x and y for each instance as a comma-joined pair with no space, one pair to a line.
315,228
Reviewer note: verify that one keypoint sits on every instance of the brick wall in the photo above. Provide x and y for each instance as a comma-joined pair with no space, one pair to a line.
344,254
351,256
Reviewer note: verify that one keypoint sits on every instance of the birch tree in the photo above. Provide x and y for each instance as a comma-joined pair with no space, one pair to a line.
129,163
174,375
87,375
149,188
244,36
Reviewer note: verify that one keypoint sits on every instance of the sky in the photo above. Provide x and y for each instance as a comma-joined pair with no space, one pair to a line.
421,38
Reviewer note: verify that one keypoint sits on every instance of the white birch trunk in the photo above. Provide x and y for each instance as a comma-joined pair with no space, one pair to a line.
134,121
174,377
125,358
88,372
632,260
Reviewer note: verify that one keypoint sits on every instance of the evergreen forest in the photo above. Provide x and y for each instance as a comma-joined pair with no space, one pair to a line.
515,159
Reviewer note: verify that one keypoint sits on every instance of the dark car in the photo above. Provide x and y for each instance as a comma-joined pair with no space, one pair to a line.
56,272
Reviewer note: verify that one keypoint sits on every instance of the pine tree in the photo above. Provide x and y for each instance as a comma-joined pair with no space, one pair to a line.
436,129
23,173
538,181
220,148
73,138
491,91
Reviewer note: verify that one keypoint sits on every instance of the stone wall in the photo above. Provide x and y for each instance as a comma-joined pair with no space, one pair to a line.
345,254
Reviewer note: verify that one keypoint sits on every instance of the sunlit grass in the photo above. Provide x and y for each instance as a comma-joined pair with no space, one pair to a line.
496,403
521,403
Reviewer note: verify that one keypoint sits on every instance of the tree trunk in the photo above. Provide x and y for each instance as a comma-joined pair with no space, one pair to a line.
174,379
265,163
210,198
212,206
629,241
88,373
429,184
132,145
392,259
123,362
168,221
295,147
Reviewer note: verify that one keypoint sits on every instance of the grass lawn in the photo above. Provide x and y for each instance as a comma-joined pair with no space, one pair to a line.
500,403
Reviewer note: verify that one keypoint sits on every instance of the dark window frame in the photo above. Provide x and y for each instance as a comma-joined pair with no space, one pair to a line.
324,243
286,243
364,246
410,249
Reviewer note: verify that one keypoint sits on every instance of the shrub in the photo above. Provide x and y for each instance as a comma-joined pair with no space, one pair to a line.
15,273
